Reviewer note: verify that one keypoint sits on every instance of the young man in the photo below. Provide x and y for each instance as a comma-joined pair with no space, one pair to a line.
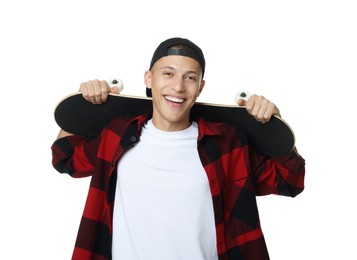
166,187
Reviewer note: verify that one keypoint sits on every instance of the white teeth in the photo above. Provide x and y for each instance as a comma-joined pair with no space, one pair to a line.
175,99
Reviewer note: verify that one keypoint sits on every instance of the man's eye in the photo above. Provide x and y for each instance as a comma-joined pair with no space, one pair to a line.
192,78
168,74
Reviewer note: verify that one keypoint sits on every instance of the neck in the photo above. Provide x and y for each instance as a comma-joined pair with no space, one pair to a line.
170,126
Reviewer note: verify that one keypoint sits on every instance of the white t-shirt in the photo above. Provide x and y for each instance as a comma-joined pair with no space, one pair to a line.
163,205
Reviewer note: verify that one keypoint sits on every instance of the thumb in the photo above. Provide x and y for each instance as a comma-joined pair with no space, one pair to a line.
114,90
241,102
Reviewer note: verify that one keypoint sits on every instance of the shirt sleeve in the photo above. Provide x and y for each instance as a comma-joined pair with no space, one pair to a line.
73,155
278,175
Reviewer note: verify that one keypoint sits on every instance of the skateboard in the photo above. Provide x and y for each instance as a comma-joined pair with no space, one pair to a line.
76,115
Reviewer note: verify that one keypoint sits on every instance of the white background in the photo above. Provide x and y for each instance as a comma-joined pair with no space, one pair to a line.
302,55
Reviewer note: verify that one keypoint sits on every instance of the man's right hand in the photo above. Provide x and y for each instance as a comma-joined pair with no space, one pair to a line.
97,91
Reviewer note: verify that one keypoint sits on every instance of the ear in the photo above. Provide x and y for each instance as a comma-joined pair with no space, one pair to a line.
202,85
147,79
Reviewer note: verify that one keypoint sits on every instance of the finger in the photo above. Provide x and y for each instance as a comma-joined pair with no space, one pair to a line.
268,109
264,112
92,91
114,90
253,105
87,89
241,102
83,89
249,104
95,92
104,91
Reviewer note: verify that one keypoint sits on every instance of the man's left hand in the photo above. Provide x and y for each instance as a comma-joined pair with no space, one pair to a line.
260,108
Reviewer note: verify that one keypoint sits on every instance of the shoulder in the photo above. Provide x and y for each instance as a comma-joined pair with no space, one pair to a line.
120,125
223,131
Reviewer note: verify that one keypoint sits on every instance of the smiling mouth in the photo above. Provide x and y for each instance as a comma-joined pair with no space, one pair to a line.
175,99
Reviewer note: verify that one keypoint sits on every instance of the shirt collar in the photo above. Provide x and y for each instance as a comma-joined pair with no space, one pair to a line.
204,127
140,120
208,128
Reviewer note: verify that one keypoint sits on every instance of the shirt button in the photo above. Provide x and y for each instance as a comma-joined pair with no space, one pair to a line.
133,139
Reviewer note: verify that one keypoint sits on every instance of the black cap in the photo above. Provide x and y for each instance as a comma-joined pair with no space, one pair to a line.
164,50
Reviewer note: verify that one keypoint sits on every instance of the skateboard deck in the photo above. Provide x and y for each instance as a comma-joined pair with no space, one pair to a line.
76,115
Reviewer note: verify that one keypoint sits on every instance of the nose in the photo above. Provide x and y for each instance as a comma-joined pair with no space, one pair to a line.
178,85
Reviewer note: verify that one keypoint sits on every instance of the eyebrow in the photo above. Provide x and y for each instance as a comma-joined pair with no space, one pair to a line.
167,67
170,67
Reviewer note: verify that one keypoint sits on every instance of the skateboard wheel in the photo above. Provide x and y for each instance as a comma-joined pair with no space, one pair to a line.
116,82
242,95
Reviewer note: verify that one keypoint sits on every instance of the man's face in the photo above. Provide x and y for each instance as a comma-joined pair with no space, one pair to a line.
176,83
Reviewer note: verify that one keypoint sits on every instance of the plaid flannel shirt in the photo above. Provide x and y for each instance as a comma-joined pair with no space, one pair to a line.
235,172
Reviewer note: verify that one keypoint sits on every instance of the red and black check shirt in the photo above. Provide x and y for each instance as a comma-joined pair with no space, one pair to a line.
236,175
